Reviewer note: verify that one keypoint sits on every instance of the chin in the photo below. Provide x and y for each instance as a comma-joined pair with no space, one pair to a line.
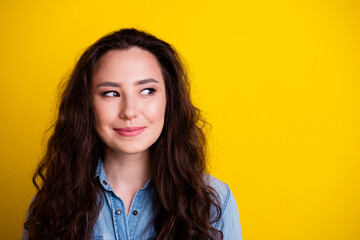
130,149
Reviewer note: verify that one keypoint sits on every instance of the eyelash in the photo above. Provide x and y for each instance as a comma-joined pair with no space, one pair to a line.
105,94
151,90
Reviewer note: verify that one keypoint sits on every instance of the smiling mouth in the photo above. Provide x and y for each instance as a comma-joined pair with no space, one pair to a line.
129,131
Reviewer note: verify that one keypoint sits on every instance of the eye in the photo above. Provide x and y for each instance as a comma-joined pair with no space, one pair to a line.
147,91
111,94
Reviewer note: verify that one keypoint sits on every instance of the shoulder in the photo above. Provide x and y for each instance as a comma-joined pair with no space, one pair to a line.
229,222
221,188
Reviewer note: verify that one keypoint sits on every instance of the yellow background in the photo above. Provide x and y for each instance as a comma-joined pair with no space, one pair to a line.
278,80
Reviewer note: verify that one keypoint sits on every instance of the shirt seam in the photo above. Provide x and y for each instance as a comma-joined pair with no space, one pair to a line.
223,208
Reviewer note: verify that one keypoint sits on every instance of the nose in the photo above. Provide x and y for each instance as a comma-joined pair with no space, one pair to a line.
128,109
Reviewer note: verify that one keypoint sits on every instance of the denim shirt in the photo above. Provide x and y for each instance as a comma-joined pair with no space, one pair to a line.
113,224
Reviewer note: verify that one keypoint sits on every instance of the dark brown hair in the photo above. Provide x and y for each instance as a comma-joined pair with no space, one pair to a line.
67,203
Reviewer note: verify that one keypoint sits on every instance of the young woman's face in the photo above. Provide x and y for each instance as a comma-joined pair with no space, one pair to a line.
129,98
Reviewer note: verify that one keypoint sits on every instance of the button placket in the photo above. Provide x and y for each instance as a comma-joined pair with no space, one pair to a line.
119,217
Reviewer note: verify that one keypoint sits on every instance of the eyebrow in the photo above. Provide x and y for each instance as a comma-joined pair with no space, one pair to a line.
108,84
144,81
114,84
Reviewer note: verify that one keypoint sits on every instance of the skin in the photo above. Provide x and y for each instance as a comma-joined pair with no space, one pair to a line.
128,90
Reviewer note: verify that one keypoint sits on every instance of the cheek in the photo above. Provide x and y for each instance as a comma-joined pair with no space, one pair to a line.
103,114
155,112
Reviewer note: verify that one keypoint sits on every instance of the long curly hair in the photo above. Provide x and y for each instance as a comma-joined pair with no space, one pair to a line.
67,202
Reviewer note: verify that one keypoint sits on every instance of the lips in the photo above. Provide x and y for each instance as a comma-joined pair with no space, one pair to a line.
129,131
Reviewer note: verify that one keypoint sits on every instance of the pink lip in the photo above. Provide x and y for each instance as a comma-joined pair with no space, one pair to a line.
129,131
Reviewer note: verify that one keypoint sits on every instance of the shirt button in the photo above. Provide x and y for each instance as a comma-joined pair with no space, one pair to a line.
104,182
135,212
118,212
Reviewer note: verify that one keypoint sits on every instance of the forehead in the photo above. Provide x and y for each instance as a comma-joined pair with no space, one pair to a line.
126,66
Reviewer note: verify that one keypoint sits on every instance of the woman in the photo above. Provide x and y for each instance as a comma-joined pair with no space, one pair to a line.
126,159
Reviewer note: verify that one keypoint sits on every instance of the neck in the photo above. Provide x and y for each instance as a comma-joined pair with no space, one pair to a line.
127,170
